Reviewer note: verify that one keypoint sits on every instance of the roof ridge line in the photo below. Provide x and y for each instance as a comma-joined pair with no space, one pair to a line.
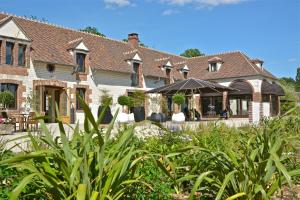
160,51
216,54
257,72
60,26
75,30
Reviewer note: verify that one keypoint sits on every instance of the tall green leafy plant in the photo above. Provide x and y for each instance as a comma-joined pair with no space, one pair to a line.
7,99
178,99
89,165
105,98
139,98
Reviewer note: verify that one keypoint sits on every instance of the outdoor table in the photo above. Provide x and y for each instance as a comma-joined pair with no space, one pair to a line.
22,119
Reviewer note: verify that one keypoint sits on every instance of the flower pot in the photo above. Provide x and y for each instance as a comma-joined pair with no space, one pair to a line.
178,117
156,117
122,117
163,117
107,115
139,114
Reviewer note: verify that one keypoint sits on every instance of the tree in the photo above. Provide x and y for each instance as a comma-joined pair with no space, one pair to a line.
297,80
289,99
298,75
288,80
33,17
93,30
7,99
190,53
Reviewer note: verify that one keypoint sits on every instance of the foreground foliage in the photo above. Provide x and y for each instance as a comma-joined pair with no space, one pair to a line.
89,166
213,162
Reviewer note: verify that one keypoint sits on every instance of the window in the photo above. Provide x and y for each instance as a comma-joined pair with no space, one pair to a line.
266,98
80,60
21,54
213,67
211,106
274,105
185,75
135,76
168,71
9,53
80,92
239,106
13,88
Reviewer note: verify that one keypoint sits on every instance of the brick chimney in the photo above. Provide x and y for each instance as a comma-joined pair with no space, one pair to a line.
133,40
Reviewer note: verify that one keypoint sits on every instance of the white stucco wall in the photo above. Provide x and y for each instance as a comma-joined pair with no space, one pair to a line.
266,109
256,112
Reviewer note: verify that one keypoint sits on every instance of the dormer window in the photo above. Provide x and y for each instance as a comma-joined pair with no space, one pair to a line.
213,67
21,54
80,61
185,70
214,64
135,75
259,63
9,53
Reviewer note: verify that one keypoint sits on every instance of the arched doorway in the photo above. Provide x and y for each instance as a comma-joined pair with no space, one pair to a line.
239,100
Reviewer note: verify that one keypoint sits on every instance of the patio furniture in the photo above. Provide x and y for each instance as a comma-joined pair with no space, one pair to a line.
224,114
21,120
32,122
9,120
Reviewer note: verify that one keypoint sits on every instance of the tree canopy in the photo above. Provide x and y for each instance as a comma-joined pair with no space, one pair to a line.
190,53
33,17
93,30
298,75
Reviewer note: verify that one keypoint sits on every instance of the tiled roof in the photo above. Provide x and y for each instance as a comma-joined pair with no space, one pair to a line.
50,43
235,64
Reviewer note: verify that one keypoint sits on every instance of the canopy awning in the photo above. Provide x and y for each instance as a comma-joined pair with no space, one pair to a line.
191,85
271,88
241,88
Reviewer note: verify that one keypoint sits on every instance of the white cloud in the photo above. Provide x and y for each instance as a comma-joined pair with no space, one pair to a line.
202,3
169,12
292,60
118,3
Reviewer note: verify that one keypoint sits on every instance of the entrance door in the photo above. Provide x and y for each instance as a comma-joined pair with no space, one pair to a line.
52,97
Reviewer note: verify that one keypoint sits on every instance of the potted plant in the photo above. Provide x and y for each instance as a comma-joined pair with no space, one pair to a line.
6,99
138,100
124,101
178,100
106,101
154,105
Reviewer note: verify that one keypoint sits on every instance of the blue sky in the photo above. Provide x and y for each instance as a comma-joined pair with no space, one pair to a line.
265,29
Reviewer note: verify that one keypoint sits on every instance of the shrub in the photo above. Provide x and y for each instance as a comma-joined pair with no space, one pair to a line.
7,99
164,105
178,98
124,100
139,98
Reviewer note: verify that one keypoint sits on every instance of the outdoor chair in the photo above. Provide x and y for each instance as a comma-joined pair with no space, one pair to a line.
32,122
9,120
224,114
